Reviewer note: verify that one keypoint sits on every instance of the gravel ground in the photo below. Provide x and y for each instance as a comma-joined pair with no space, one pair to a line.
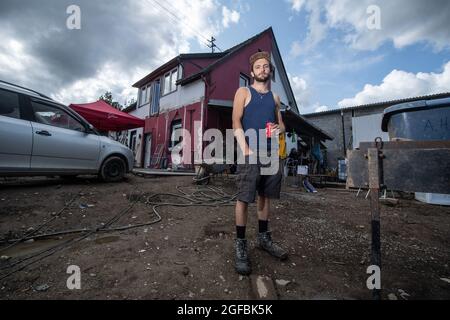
188,254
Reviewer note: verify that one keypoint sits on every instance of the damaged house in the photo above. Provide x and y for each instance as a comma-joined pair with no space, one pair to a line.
201,87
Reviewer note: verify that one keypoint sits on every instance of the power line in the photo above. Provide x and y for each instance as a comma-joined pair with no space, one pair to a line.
187,18
176,18
183,16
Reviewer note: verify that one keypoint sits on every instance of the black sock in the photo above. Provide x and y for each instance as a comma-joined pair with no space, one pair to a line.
240,232
263,225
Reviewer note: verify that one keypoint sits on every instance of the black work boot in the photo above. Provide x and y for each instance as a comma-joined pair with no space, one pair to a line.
242,263
265,243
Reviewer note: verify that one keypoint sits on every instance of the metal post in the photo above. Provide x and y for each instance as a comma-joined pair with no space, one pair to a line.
374,185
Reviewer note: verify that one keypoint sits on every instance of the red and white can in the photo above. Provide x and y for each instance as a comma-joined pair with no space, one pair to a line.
268,129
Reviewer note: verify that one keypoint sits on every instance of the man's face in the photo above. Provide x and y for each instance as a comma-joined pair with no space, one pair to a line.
261,70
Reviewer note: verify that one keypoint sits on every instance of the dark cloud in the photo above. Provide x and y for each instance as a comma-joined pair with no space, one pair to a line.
111,32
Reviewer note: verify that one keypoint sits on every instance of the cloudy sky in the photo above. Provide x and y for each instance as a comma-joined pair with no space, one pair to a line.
337,52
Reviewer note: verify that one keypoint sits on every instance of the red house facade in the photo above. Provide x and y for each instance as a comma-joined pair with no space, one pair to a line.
201,87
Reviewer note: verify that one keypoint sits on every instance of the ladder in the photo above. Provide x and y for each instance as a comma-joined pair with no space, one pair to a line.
156,159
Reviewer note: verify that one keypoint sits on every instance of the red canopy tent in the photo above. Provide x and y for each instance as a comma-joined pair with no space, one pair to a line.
106,118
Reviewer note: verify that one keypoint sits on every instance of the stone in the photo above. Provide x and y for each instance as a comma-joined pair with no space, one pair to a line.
263,288
392,296
445,280
282,283
42,288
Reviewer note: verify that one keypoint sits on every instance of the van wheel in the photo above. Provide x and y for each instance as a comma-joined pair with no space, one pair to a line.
112,170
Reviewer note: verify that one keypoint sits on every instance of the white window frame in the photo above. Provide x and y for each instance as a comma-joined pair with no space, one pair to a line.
172,82
148,94
245,78
144,95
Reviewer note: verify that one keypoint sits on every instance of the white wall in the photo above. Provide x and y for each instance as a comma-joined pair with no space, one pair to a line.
141,112
184,95
367,128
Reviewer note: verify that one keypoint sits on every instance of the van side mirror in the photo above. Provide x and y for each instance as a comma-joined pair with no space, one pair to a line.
89,128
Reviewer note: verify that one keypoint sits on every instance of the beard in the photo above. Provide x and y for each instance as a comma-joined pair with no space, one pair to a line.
263,78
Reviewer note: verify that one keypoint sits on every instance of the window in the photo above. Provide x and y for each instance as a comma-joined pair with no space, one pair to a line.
9,104
154,108
174,79
244,81
176,124
166,84
148,93
56,117
170,80
145,95
142,96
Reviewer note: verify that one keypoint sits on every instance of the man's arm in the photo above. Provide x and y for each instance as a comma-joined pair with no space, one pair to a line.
238,112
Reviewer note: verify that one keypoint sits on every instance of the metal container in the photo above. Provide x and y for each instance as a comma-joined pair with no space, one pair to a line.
419,120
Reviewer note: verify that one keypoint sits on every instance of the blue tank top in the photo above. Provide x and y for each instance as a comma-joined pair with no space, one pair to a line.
259,111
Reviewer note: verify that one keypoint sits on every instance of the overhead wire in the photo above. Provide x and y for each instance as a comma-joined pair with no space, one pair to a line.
176,18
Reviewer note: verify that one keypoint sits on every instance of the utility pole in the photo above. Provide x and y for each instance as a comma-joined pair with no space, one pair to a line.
212,45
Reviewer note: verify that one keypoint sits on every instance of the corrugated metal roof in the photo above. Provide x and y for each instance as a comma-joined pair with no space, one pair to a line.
376,104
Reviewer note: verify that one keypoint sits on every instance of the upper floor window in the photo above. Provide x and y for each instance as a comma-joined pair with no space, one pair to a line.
154,102
145,95
170,79
9,104
244,81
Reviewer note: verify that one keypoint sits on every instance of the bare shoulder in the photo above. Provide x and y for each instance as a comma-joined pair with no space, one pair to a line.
242,92
242,96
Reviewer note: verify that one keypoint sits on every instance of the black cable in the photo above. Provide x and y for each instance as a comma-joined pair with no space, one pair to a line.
220,200
29,234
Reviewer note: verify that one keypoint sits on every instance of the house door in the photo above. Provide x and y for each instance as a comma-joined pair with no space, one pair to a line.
148,149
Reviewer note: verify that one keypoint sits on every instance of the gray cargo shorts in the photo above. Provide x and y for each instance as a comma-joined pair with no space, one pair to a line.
250,180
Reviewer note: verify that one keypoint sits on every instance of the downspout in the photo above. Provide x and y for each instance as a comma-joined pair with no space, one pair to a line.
343,133
204,110
184,130
205,101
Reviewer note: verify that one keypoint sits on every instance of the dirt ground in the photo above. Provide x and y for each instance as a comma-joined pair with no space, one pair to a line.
189,253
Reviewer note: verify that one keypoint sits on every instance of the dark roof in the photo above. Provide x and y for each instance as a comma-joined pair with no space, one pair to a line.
174,61
201,55
130,108
383,103
226,55
221,56
301,125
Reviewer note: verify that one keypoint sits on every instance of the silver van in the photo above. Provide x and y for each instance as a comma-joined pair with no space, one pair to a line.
39,136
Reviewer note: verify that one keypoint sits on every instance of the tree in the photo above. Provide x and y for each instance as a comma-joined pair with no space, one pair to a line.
129,103
108,98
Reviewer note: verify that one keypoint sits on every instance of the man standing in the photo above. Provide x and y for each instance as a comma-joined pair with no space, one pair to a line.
256,108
